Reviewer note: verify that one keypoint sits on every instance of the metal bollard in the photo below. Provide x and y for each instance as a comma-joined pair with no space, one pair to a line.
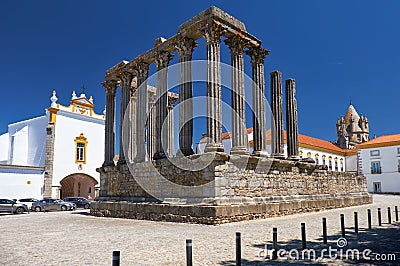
389,216
275,243
369,219
397,213
189,256
324,233
238,250
379,217
356,222
303,236
342,225
116,258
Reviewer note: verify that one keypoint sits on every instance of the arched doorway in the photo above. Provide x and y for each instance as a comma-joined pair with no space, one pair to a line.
78,185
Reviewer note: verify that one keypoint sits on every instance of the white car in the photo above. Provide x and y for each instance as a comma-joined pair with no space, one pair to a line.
27,201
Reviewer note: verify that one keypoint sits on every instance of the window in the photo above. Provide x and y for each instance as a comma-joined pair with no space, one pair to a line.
323,160
330,163
398,166
375,153
376,168
341,165
336,165
301,154
80,149
308,154
317,158
80,152
398,150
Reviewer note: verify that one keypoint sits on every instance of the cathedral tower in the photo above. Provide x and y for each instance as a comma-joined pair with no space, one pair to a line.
352,129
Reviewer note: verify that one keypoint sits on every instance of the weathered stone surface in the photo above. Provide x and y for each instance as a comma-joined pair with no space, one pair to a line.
236,193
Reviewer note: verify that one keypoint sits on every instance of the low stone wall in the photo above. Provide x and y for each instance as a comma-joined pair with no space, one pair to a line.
228,188
212,215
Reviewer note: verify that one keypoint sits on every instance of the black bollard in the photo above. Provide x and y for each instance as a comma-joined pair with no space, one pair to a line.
369,219
389,216
356,222
379,217
303,236
324,233
116,258
189,256
238,250
342,225
275,243
397,213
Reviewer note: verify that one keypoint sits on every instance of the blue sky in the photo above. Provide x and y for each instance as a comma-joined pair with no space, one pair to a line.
336,50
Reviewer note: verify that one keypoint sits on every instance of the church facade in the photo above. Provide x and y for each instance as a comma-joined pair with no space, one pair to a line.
54,155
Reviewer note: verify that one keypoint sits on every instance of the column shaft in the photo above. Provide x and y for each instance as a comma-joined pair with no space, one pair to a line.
277,144
132,146
257,55
291,120
142,70
125,123
109,149
214,103
162,61
171,138
239,132
185,49
151,124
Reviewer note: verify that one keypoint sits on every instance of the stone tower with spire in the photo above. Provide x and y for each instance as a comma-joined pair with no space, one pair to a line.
352,129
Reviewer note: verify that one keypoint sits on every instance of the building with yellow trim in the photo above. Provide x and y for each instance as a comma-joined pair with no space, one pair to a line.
54,155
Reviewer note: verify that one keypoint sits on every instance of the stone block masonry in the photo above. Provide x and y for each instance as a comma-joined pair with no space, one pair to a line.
237,188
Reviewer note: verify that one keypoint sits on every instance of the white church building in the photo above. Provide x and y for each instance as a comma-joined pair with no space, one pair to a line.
54,155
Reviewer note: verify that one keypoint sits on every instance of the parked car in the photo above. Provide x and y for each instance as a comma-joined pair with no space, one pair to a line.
9,205
48,204
27,201
80,202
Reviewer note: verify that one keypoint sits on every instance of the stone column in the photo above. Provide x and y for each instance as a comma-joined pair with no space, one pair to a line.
151,123
132,146
125,128
277,145
109,149
185,49
142,70
171,138
257,55
162,61
239,132
292,130
214,103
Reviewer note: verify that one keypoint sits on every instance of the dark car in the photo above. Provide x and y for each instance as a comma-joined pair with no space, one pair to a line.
48,204
80,202
9,205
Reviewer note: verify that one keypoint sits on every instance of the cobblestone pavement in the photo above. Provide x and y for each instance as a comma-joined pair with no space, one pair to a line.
75,238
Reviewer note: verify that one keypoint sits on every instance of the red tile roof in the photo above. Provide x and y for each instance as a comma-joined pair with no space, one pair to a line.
382,141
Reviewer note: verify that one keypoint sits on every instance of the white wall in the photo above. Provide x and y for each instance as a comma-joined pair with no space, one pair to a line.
351,163
4,146
67,128
14,182
389,161
28,138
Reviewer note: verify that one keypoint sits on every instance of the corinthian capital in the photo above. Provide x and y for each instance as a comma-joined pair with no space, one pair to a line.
236,45
185,47
162,60
142,70
126,79
212,33
257,54
110,86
